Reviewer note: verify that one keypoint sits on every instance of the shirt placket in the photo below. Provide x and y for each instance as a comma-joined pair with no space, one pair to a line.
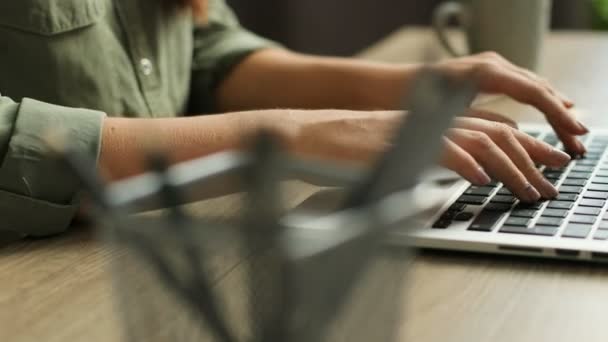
143,56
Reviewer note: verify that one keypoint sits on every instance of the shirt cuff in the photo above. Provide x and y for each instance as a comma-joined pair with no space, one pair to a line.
38,194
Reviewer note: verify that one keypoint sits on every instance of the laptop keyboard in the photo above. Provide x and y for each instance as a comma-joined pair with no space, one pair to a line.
578,212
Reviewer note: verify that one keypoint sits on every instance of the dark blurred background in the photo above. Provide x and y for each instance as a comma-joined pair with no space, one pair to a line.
344,27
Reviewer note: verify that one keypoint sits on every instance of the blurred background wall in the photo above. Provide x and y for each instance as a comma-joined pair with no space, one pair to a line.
344,27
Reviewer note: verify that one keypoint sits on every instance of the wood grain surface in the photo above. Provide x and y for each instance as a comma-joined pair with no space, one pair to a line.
60,289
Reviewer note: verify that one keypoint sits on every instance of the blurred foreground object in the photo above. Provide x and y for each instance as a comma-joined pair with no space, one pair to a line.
269,274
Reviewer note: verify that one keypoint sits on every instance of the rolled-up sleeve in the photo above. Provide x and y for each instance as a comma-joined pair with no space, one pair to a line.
219,45
38,195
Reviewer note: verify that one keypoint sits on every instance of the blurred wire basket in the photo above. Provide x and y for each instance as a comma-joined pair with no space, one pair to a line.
269,274
249,290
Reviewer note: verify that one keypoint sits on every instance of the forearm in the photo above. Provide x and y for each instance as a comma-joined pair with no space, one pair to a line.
125,141
329,134
282,79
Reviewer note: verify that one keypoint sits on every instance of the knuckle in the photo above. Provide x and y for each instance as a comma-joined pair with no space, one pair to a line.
541,90
483,69
491,55
503,131
480,141
537,93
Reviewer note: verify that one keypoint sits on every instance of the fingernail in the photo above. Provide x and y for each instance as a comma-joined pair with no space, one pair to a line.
581,148
532,195
482,177
583,127
560,156
549,191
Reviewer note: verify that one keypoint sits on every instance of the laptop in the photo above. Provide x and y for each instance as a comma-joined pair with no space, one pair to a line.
490,219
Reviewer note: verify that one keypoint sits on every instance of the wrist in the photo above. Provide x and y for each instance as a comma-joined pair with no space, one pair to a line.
388,85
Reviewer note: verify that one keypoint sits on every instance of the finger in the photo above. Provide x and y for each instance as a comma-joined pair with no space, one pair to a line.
532,76
567,102
571,143
495,161
458,160
491,116
504,137
541,152
502,80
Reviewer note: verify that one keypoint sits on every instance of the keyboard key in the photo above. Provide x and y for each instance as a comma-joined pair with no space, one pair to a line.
605,216
570,189
600,146
486,220
504,191
463,216
556,169
448,216
445,219
470,199
551,139
577,231
587,162
549,221
574,182
441,224
583,219
503,199
555,213
587,211
593,156
583,168
458,207
552,174
479,190
494,184
596,195
497,207
602,173
517,221
560,205
600,138
567,197
541,231
601,235
598,187
529,213
599,180
579,175
522,205
603,225
588,202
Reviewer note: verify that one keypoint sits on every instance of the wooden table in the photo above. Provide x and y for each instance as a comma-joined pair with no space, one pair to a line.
59,289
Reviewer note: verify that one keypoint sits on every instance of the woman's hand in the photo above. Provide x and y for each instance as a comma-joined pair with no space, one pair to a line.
477,148
494,74
480,146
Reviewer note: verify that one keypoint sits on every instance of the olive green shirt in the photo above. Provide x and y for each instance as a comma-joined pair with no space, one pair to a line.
66,64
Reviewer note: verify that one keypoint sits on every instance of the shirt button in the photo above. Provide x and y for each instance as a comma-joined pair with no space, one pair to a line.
146,67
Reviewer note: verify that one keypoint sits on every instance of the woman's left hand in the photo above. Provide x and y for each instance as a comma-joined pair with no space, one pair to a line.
496,75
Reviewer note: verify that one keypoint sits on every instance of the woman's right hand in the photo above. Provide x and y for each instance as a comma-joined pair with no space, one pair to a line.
481,146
